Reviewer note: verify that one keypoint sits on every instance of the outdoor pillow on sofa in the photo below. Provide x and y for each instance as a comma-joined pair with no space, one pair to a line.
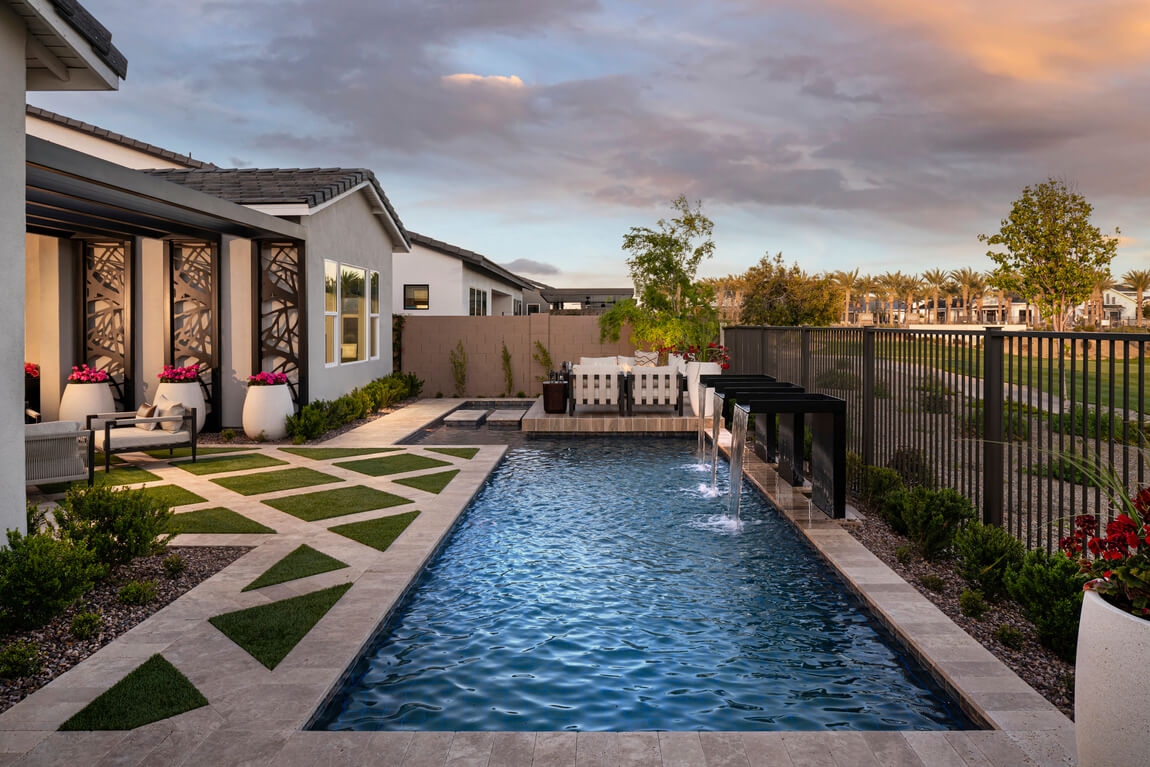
646,359
166,407
599,361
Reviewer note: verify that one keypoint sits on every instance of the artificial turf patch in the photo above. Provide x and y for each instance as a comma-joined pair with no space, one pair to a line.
335,503
155,690
432,483
269,632
458,452
328,453
271,481
217,520
392,464
173,495
186,452
121,475
377,533
301,563
221,463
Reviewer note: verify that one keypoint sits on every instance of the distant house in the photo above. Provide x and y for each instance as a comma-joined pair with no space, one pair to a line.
436,278
584,300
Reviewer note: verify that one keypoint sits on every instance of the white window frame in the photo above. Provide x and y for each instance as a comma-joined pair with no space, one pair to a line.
374,286
336,342
331,345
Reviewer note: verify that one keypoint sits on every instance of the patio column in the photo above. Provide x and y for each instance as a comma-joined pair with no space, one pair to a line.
13,80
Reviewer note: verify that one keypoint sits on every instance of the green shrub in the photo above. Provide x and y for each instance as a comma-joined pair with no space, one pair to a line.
175,565
892,508
1072,471
521,394
19,659
36,516
543,357
912,467
86,625
1010,637
228,435
934,396
508,378
933,517
854,466
904,555
137,593
117,524
458,357
985,554
876,484
439,395
309,423
972,604
40,576
838,379
933,582
1048,588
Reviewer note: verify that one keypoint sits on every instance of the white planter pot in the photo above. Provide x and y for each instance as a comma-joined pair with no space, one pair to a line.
187,393
694,370
1110,681
83,399
265,410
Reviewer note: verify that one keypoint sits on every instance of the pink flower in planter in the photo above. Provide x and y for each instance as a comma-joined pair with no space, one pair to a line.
176,374
267,379
31,369
85,374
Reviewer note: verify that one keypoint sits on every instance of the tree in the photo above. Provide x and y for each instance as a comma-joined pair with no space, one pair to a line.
672,308
846,282
890,283
951,291
967,280
1102,283
935,280
1138,280
910,287
866,286
782,295
1051,246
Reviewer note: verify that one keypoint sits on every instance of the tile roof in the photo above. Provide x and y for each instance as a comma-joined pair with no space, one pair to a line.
94,32
471,257
272,186
116,138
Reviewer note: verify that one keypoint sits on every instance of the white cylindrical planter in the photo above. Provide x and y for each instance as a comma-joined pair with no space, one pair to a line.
83,399
187,393
1110,682
266,409
694,370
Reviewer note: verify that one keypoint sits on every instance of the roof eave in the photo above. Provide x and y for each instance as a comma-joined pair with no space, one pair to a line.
97,74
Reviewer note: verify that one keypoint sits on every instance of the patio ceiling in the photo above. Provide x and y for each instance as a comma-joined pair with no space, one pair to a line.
71,194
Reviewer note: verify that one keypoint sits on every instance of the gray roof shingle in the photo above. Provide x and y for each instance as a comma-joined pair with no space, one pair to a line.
94,32
471,257
270,186
117,138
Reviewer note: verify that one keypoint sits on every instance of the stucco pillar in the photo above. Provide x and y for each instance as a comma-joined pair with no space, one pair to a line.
12,226
56,306
235,328
152,306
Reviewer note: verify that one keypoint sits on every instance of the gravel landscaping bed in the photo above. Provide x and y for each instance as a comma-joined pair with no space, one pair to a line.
1052,677
60,651
213,438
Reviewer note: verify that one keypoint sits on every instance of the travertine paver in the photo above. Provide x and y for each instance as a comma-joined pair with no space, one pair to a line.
255,715
465,418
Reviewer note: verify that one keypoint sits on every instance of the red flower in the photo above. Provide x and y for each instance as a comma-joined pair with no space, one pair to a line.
1119,525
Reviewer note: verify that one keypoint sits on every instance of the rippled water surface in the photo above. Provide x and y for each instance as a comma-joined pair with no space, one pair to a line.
596,585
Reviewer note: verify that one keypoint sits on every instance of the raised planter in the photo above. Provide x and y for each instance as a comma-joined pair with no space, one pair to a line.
694,370
83,399
1110,681
266,409
187,393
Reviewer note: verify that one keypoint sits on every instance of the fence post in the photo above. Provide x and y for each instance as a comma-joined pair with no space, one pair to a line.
805,357
992,427
868,415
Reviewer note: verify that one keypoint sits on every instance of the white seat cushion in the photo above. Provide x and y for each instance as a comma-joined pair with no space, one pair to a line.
599,361
127,437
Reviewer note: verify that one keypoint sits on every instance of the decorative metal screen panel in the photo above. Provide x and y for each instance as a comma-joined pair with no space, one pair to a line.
106,315
194,320
281,320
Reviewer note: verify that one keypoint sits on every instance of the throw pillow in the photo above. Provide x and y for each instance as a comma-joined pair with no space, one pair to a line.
646,359
146,411
164,408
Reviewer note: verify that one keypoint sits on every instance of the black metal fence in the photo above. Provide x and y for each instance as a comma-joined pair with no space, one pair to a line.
1004,418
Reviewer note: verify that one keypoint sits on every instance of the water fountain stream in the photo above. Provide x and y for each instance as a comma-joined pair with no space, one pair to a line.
716,427
739,418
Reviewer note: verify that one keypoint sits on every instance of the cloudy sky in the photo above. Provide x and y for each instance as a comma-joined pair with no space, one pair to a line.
883,134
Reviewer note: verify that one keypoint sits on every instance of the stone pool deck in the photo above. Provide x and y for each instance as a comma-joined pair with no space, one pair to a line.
255,716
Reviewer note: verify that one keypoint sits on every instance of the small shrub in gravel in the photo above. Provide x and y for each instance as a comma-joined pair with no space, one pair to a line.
933,517
19,659
972,604
877,484
933,582
40,576
117,524
174,565
138,593
912,467
86,625
1048,588
1010,637
904,555
228,435
985,554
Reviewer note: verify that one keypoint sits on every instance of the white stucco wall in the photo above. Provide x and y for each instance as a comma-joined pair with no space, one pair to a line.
236,328
94,145
12,85
50,316
350,233
496,305
442,274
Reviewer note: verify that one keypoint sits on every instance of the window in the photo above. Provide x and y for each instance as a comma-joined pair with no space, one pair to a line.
477,306
351,313
533,308
518,306
416,297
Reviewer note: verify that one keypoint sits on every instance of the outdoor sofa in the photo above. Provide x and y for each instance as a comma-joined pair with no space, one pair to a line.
121,432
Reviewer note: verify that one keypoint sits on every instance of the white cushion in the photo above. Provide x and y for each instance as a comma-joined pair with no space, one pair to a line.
646,359
678,363
166,407
49,428
627,362
125,437
599,361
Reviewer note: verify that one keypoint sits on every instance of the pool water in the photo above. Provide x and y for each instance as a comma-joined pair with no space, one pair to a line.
599,585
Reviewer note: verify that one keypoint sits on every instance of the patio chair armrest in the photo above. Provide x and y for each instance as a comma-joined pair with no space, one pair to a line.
118,422
106,417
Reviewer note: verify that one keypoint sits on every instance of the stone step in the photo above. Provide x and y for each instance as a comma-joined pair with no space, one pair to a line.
506,419
465,418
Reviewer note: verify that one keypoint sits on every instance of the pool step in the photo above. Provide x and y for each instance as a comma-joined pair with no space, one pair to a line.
506,419
465,418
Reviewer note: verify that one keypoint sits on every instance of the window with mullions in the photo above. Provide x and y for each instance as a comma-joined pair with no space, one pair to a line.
351,313
416,297
478,303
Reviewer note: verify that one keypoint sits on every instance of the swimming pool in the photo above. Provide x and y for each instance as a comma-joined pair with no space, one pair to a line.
595,585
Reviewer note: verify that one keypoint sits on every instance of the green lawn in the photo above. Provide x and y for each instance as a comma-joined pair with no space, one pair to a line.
186,452
173,495
301,563
377,533
269,632
458,452
224,463
329,453
121,475
272,481
335,503
155,690
432,483
217,520
392,464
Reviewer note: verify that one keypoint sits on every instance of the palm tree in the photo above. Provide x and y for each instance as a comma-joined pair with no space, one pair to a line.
1102,283
977,294
950,290
846,282
911,287
1138,280
966,278
865,287
935,279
